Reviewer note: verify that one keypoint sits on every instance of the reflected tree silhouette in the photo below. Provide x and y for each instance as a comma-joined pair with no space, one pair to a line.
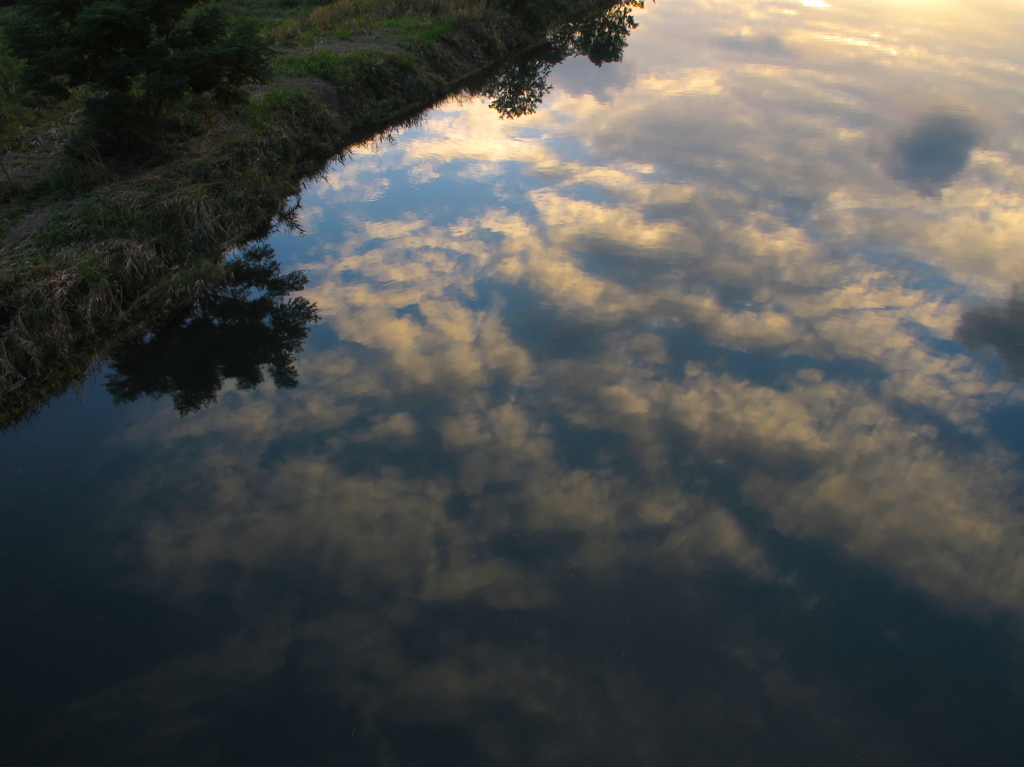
603,38
233,331
520,87
1001,327
935,152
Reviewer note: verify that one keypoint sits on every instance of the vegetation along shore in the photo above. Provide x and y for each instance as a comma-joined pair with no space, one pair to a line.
141,140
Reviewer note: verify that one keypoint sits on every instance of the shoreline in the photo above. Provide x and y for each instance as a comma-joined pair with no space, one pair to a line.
82,270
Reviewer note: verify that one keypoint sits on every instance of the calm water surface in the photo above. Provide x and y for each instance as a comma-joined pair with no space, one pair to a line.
676,423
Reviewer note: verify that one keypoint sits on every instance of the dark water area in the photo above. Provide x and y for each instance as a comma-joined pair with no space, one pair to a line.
660,406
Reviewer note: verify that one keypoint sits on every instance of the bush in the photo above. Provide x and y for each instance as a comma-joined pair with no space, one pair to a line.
138,55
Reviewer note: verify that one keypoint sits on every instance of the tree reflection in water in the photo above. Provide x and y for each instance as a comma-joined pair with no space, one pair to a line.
1001,327
935,152
233,331
521,86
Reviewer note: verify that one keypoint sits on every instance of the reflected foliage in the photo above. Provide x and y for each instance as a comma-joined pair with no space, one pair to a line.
602,39
1001,327
520,87
234,331
935,152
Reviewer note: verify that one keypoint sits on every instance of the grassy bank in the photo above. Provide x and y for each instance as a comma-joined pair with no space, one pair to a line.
92,244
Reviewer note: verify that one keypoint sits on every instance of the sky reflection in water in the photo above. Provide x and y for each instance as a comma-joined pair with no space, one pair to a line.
675,423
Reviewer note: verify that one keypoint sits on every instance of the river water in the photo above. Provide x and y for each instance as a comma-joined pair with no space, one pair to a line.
663,412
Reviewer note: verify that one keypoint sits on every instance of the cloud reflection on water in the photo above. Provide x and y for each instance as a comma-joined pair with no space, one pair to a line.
585,382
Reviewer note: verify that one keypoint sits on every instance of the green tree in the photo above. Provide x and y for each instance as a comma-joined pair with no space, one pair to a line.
139,55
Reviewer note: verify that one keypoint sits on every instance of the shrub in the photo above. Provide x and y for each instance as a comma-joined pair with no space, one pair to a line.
138,55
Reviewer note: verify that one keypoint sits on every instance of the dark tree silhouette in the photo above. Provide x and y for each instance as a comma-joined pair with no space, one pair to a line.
938,148
231,332
520,87
602,39
1001,327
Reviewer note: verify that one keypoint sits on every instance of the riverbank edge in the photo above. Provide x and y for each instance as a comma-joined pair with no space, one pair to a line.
81,274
